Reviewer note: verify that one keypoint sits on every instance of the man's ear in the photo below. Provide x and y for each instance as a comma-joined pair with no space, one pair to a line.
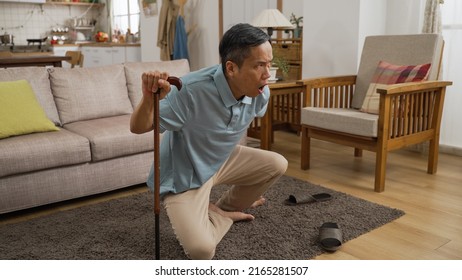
231,68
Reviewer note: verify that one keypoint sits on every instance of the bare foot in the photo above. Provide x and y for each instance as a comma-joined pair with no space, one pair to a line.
258,202
236,216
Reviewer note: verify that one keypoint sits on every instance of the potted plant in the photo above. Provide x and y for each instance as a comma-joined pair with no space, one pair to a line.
273,71
281,63
297,21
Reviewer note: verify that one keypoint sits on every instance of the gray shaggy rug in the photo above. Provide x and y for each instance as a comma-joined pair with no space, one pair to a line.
124,228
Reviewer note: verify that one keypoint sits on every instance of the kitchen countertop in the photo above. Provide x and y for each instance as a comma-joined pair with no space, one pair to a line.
23,54
94,44
32,59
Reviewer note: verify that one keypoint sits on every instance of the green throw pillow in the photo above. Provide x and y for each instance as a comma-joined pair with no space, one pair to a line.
20,112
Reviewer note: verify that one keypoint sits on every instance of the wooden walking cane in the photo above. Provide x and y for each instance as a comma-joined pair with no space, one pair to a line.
176,82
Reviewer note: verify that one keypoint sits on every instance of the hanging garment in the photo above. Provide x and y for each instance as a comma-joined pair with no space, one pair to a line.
180,45
166,30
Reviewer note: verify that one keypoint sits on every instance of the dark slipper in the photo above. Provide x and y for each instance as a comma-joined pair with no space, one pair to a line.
330,237
303,198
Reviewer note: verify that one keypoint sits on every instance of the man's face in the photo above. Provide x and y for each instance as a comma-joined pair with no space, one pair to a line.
253,75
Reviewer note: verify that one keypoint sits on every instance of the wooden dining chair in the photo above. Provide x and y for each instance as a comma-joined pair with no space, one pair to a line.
76,58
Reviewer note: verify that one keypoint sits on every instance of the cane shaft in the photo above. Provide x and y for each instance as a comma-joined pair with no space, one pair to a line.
155,123
157,228
156,155
156,174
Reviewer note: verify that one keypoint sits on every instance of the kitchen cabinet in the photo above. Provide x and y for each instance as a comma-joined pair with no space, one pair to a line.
95,56
118,55
132,54
25,1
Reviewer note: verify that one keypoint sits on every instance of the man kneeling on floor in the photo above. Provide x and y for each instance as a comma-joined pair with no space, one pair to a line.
203,124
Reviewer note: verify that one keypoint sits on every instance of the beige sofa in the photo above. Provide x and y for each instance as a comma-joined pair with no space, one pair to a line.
94,150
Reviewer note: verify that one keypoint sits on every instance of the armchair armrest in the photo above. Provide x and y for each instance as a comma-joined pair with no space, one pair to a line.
329,92
397,89
411,109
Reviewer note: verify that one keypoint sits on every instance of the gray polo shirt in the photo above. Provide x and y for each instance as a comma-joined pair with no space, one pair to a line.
203,122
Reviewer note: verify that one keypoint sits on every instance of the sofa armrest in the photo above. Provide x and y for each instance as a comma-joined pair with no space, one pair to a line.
329,92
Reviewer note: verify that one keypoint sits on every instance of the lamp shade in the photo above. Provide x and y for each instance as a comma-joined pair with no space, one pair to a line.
272,18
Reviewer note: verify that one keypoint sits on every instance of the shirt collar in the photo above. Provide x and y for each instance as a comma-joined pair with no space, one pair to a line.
224,90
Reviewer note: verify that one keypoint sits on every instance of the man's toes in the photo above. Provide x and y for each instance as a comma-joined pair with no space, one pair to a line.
258,202
243,217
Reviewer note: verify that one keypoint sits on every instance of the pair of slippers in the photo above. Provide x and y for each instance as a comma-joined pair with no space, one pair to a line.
330,235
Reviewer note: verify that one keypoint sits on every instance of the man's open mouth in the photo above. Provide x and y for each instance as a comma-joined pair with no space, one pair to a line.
260,89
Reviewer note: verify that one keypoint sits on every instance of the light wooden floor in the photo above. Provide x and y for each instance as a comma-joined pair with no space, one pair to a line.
431,228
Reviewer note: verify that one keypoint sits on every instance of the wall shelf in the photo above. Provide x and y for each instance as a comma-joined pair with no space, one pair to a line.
96,5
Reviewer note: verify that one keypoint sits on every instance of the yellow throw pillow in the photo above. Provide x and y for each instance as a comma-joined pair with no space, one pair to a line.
20,112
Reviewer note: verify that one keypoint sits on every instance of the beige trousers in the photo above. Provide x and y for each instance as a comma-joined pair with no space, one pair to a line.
250,171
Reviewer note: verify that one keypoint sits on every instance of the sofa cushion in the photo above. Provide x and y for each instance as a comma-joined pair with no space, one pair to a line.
40,151
40,83
404,52
387,74
111,137
90,93
134,70
20,112
349,121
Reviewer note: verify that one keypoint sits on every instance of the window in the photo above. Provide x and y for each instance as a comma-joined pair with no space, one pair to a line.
125,15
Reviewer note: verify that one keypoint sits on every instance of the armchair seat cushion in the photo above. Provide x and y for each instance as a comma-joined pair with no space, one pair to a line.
350,121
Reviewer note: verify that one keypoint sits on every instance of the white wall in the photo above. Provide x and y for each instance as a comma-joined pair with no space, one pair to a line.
372,21
293,6
330,37
148,32
404,17
203,37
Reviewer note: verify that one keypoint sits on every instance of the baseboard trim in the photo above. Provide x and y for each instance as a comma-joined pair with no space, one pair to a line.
452,150
445,149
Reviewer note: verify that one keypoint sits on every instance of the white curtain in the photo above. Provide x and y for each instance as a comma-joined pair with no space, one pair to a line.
451,132
432,18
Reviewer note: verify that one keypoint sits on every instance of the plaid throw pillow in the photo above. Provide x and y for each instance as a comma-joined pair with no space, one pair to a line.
388,74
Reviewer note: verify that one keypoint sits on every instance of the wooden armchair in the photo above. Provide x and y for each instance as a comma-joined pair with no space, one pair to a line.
408,113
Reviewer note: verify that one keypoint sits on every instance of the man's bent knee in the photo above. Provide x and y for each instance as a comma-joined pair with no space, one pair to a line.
280,164
201,251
